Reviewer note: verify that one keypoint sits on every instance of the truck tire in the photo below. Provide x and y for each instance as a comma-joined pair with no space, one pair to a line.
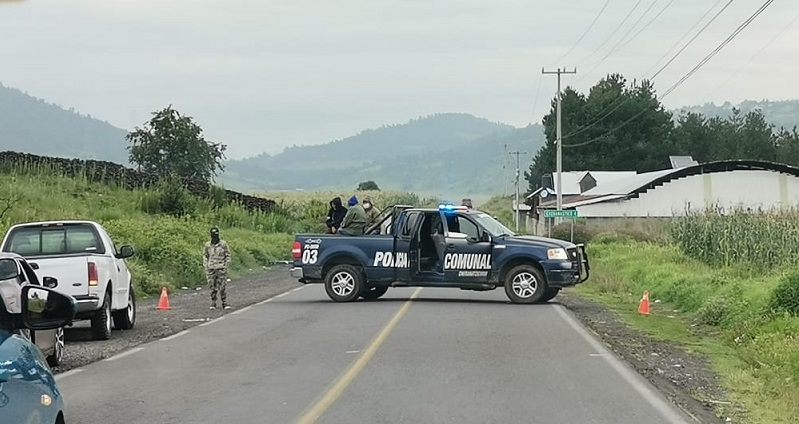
525,284
124,319
343,283
373,292
550,294
101,321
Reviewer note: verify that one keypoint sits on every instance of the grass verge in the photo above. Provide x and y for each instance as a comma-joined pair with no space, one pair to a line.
723,312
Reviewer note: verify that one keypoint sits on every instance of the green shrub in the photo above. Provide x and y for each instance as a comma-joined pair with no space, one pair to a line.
582,233
785,298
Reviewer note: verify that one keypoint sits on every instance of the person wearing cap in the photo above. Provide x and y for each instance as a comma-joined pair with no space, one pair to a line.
355,220
216,259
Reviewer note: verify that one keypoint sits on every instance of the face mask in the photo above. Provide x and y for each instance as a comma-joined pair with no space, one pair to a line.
367,205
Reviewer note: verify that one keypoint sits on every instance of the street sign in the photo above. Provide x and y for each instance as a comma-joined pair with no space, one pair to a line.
553,213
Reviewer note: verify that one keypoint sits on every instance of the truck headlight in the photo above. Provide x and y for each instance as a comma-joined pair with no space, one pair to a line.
558,253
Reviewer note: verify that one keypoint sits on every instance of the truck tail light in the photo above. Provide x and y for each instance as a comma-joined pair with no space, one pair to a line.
296,250
93,279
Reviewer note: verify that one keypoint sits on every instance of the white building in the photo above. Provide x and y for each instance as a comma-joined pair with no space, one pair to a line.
687,186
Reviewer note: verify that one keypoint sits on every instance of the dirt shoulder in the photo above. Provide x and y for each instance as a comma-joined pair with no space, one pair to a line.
685,378
188,308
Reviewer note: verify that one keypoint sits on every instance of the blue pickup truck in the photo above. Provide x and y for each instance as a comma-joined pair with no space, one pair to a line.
449,246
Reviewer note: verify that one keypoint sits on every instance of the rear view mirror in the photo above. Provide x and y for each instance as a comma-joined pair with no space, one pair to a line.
50,282
8,269
125,252
44,308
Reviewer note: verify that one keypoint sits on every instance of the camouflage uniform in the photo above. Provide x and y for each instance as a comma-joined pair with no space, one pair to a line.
216,258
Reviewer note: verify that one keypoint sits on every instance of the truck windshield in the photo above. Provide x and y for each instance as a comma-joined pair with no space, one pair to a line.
54,240
494,227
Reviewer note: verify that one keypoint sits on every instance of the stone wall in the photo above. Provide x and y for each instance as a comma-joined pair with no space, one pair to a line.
109,172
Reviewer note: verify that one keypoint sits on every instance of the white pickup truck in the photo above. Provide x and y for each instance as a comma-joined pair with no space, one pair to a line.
83,258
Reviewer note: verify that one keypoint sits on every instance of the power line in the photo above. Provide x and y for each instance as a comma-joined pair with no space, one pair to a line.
740,68
692,39
683,36
613,33
721,46
622,101
647,24
686,76
596,18
613,49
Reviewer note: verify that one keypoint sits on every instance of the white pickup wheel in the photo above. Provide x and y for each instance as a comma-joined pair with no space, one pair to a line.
124,319
101,321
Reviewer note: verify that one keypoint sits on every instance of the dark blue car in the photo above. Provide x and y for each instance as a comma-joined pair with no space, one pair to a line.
450,246
28,390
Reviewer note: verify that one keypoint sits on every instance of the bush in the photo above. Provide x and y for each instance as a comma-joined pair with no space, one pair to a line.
785,298
582,234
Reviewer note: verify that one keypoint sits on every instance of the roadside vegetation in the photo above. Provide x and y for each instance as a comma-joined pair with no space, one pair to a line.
166,225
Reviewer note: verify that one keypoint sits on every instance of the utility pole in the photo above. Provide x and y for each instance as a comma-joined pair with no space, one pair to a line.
516,211
559,140
504,171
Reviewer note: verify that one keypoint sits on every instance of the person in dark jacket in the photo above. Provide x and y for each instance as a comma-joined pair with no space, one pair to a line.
335,215
355,220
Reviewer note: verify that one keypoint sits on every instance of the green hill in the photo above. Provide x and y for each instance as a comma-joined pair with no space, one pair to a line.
32,125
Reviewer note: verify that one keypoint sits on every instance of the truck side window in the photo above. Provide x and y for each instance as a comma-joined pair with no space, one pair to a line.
463,225
410,224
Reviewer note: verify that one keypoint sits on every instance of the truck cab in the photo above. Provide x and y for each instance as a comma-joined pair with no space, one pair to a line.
449,246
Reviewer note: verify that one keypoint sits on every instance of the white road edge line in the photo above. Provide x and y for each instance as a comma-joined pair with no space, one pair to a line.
238,311
124,354
68,373
297,289
666,409
211,322
176,335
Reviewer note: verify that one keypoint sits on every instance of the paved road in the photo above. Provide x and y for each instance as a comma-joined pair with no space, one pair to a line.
447,356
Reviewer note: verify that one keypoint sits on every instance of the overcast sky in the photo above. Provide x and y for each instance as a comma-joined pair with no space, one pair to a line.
261,75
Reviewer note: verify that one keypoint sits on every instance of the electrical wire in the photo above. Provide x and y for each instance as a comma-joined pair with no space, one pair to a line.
596,18
686,76
613,33
683,36
647,24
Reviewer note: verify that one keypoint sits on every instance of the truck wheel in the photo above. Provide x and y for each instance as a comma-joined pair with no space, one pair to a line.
550,294
343,283
374,292
125,318
101,321
525,284
55,359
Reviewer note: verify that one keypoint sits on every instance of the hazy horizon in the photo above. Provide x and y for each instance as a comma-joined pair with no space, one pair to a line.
259,77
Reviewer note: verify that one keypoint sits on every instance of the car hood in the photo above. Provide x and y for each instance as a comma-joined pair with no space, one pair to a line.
540,241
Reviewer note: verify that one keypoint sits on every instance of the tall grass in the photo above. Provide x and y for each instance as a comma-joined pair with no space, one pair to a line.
761,240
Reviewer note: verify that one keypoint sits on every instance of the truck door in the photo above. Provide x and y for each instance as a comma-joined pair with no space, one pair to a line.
466,257
406,244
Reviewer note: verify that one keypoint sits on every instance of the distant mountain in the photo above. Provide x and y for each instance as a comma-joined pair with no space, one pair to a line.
446,154
31,125
784,113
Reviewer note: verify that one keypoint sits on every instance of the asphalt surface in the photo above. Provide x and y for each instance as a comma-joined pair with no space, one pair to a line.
445,356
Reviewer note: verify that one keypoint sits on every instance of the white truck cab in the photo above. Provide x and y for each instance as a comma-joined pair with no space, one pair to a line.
87,265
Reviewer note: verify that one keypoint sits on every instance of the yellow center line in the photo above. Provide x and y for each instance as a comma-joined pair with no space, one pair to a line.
329,397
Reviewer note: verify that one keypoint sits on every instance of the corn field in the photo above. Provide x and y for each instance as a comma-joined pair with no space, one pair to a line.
762,240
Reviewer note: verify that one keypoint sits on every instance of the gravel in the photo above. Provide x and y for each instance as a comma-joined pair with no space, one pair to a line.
189,307
686,379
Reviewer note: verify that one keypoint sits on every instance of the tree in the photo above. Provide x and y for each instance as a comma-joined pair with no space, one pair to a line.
171,143
368,185
615,127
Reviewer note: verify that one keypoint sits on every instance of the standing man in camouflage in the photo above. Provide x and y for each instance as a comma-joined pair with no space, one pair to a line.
216,259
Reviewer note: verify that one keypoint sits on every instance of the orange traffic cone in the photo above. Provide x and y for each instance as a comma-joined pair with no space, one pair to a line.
163,303
643,307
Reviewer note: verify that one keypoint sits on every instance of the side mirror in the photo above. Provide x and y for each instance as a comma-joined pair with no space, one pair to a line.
45,309
50,282
125,251
34,265
485,237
